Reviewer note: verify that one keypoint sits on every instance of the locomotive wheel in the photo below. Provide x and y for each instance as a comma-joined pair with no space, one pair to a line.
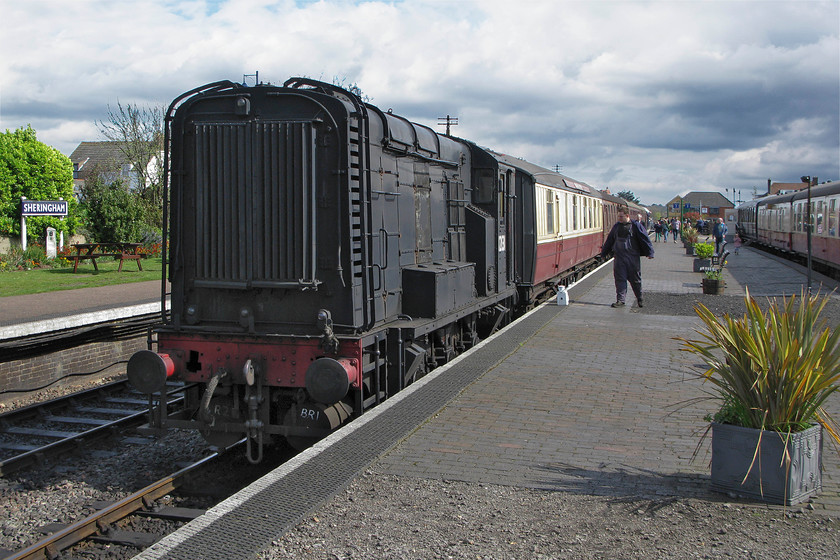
222,412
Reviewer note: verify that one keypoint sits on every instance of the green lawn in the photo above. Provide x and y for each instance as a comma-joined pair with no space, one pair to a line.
35,281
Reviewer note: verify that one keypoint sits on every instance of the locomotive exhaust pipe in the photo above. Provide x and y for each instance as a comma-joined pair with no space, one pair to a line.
329,380
148,371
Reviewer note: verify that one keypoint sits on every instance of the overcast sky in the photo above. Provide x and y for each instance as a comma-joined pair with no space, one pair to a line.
654,97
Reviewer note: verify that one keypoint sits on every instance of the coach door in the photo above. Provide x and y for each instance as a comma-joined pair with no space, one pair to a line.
505,223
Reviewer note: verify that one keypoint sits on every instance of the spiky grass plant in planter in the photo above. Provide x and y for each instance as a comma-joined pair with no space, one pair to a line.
772,372
689,237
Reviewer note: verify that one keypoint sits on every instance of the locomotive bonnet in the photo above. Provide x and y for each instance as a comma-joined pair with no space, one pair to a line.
323,254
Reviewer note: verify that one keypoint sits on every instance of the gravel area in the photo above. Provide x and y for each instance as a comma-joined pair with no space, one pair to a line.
388,517
13,401
71,488
683,305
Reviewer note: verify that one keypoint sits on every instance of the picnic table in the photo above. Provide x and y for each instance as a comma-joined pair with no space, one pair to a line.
93,251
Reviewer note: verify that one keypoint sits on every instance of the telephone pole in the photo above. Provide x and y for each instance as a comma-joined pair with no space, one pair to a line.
448,121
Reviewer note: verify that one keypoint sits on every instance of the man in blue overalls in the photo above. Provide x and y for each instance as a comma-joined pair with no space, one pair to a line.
629,242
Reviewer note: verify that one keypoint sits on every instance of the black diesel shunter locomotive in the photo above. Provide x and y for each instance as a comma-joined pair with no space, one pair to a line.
323,254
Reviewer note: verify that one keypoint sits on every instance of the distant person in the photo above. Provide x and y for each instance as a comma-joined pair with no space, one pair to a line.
720,234
642,222
628,241
657,230
665,230
675,228
737,243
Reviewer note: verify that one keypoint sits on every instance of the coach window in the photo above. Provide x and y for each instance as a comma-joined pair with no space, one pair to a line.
820,217
549,212
832,217
584,212
574,212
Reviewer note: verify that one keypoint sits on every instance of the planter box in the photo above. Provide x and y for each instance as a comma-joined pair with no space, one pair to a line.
700,263
771,479
712,286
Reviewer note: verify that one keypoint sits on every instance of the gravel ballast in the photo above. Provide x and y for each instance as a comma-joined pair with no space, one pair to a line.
391,517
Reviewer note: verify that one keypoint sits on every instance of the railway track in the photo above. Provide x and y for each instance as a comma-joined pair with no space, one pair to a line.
832,272
101,526
35,433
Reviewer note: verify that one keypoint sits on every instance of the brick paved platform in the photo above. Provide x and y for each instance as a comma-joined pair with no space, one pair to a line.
593,400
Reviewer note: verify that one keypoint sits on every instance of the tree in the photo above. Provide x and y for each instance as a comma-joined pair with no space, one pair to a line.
39,172
111,211
139,133
629,195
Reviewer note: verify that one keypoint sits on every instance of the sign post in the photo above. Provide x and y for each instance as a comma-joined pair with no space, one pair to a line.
39,208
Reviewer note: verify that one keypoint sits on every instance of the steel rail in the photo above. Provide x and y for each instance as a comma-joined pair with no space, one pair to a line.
27,458
55,448
36,409
50,547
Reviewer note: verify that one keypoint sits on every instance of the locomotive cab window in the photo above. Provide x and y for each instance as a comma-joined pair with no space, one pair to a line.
485,183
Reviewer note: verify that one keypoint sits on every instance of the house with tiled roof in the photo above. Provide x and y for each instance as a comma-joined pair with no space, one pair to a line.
106,160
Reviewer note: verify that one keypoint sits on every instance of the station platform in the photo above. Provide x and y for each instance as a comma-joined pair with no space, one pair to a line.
54,311
582,398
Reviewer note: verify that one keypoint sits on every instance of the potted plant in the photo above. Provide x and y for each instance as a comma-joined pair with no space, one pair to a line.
703,252
771,372
713,283
689,236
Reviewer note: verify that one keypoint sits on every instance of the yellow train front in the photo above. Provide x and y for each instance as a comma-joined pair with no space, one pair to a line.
323,254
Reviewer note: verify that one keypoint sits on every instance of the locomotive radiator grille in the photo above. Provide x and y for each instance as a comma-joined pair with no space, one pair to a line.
255,210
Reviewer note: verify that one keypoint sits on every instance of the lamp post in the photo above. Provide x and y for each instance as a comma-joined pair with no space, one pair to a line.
809,225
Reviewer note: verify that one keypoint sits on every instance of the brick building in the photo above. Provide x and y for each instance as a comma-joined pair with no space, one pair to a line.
709,205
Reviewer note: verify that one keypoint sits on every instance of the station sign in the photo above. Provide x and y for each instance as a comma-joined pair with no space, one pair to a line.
43,207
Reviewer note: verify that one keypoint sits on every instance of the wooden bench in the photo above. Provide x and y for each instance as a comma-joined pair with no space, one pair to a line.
718,263
92,251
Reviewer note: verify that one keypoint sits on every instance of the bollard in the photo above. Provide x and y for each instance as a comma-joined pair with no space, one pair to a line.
562,296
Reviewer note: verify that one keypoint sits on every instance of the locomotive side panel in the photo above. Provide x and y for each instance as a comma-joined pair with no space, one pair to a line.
417,205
